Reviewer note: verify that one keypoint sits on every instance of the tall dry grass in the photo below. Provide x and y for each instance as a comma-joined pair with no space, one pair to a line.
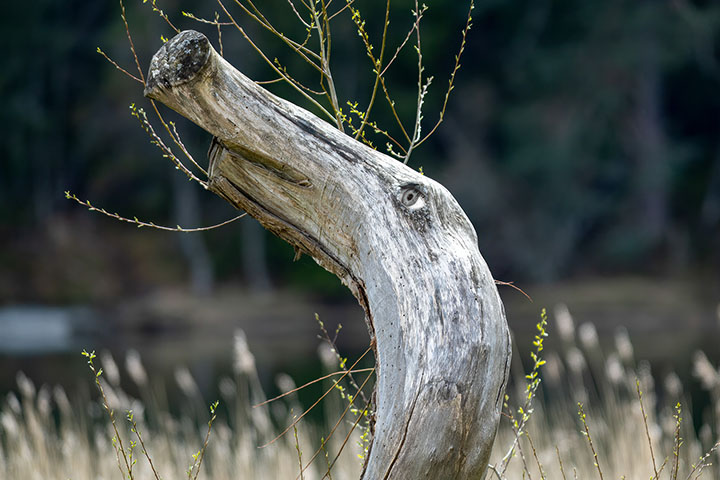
630,417
640,427
46,434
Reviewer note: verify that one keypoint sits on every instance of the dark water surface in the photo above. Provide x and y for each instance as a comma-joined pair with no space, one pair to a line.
666,323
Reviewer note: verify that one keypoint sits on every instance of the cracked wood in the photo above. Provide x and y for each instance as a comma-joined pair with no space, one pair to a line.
396,238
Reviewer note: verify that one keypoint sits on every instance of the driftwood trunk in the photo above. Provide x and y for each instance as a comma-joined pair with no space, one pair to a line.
396,238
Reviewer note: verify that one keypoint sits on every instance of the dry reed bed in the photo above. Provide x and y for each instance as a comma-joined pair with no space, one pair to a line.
47,434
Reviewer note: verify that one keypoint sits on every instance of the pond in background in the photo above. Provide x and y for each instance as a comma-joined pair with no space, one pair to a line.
170,330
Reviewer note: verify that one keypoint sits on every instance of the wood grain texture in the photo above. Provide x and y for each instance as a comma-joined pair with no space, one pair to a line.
396,238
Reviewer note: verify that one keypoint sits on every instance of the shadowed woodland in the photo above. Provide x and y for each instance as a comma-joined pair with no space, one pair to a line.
581,140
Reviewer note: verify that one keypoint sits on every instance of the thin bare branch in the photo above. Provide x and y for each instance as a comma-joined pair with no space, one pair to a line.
318,400
512,285
342,416
677,443
141,224
326,28
422,92
297,82
415,26
703,462
583,419
269,82
217,23
155,139
451,82
347,437
198,459
162,15
391,103
647,429
535,456
192,16
297,14
299,452
119,448
178,142
361,115
376,68
562,469
342,361
145,452
346,6
326,74
494,470
176,139
140,114
299,48
531,388
422,87
518,433
130,41
118,66
312,382
360,26
273,66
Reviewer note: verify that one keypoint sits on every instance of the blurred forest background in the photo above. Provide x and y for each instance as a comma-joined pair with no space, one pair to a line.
582,139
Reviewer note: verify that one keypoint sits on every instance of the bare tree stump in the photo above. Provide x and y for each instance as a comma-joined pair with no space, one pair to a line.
396,238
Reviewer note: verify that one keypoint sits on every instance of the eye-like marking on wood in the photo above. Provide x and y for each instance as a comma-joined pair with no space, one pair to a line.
412,196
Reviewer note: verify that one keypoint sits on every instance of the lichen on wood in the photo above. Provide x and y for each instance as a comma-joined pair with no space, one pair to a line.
396,238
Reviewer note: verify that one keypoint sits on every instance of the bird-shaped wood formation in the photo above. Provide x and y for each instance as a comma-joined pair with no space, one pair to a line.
396,238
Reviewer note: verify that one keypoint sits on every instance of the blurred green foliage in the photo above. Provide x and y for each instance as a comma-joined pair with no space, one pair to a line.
582,137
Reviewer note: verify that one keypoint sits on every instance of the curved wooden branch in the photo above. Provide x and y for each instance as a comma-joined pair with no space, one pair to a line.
396,238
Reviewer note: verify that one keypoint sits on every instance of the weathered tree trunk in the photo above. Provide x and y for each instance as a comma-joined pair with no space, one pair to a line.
396,238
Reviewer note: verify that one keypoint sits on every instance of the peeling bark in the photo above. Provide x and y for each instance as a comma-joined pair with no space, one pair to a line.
396,238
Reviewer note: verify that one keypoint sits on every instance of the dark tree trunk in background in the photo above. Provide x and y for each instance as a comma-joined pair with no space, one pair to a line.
192,245
648,145
710,212
254,256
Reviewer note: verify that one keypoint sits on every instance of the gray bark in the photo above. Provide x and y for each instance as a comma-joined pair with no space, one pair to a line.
396,238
